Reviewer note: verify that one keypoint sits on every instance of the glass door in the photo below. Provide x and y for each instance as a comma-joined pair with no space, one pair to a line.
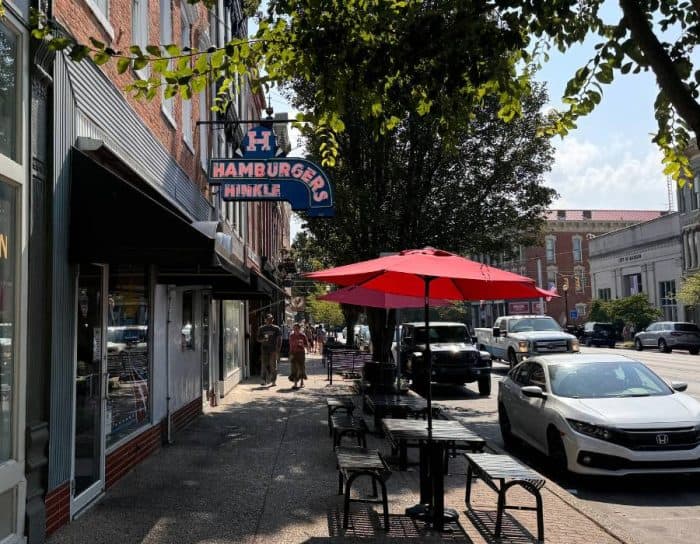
88,447
206,303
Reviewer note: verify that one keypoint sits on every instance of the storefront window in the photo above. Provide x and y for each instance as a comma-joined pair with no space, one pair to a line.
667,296
7,513
8,262
9,67
128,361
233,343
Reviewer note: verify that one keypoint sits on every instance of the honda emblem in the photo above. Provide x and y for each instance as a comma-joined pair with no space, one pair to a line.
662,439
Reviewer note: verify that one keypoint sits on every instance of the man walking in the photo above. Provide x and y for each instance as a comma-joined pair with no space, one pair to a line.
270,338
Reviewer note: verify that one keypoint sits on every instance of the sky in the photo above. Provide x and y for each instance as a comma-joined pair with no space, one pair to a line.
608,162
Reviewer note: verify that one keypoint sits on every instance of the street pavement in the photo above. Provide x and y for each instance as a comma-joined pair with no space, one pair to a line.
649,509
259,468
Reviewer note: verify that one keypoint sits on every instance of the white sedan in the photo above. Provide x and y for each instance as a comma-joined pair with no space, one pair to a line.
600,414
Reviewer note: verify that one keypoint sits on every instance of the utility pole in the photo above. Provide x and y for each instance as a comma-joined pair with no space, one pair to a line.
565,288
539,283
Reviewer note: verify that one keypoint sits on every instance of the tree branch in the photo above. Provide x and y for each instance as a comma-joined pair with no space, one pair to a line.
666,75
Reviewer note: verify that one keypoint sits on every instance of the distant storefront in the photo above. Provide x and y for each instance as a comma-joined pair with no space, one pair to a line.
644,258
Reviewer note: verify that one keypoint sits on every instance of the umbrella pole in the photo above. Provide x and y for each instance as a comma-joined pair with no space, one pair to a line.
427,280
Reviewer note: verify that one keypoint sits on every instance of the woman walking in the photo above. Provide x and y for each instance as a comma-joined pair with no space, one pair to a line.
297,355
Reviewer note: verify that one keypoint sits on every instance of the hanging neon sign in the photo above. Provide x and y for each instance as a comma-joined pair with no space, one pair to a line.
260,175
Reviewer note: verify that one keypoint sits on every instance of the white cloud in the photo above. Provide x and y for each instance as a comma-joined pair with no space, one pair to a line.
615,176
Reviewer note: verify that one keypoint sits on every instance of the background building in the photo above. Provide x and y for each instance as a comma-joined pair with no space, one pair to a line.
562,260
644,258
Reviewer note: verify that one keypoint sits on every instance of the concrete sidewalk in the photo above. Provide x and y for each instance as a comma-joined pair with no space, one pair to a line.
260,468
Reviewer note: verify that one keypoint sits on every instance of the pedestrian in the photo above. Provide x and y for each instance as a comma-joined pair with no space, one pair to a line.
322,338
270,338
298,342
286,331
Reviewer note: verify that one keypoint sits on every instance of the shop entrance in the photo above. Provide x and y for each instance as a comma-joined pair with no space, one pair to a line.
89,443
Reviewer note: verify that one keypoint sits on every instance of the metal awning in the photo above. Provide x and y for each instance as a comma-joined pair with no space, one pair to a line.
114,220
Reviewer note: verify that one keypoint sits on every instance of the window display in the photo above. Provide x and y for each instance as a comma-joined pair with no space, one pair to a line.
128,361
232,337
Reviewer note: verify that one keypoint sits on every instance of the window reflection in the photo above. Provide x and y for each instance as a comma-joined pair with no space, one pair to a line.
9,42
8,261
128,367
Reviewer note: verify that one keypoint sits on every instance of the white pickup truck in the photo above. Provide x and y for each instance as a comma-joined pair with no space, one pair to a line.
515,337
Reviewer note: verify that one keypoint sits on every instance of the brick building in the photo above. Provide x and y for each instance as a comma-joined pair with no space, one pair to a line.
139,287
561,260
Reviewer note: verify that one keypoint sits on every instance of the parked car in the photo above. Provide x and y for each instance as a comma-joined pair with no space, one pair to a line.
599,334
515,337
669,335
455,359
600,414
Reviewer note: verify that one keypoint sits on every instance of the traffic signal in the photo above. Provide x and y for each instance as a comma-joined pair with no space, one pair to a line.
577,283
565,284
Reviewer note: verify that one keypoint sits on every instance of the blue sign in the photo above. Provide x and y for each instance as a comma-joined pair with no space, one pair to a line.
573,314
260,175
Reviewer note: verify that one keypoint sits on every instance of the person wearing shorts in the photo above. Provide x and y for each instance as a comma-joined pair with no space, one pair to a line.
297,356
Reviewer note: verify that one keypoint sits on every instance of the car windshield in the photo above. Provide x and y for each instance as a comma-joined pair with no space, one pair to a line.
456,333
597,380
686,327
533,324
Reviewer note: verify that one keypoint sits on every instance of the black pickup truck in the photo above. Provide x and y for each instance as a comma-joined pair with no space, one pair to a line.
455,359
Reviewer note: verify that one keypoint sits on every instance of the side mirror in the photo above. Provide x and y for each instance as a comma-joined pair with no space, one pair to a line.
496,332
679,386
485,356
533,391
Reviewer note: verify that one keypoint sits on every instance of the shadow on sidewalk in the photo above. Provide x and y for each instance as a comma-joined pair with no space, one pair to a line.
512,531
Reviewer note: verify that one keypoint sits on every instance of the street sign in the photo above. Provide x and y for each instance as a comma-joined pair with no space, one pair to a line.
573,314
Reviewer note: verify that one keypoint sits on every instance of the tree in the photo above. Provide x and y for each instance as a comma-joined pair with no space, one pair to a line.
480,193
322,311
689,293
485,49
599,311
635,309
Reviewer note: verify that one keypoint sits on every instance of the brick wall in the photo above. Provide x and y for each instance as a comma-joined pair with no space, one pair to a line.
82,23
126,457
185,415
57,508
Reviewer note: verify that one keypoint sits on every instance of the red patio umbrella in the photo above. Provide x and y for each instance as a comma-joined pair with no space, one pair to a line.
360,296
430,273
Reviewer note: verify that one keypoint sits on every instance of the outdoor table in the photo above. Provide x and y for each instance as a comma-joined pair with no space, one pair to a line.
383,405
432,452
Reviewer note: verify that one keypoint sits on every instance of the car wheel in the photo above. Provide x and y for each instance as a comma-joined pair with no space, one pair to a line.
663,347
557,452
694,351
638,344
612,345
589,342
504,424
485,386
512,358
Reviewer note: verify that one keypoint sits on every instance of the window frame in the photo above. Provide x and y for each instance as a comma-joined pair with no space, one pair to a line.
101,15
577,240
167,105
13,172
186,105
553,241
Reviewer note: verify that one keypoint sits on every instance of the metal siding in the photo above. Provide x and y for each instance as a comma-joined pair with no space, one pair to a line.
63,296
107,110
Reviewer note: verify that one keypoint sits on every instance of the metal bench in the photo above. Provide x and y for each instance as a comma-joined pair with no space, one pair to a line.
500,473
338,404
356,462
345,425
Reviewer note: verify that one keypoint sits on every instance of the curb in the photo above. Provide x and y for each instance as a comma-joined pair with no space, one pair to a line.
601,520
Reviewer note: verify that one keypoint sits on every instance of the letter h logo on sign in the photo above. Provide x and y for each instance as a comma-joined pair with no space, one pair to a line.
259,143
